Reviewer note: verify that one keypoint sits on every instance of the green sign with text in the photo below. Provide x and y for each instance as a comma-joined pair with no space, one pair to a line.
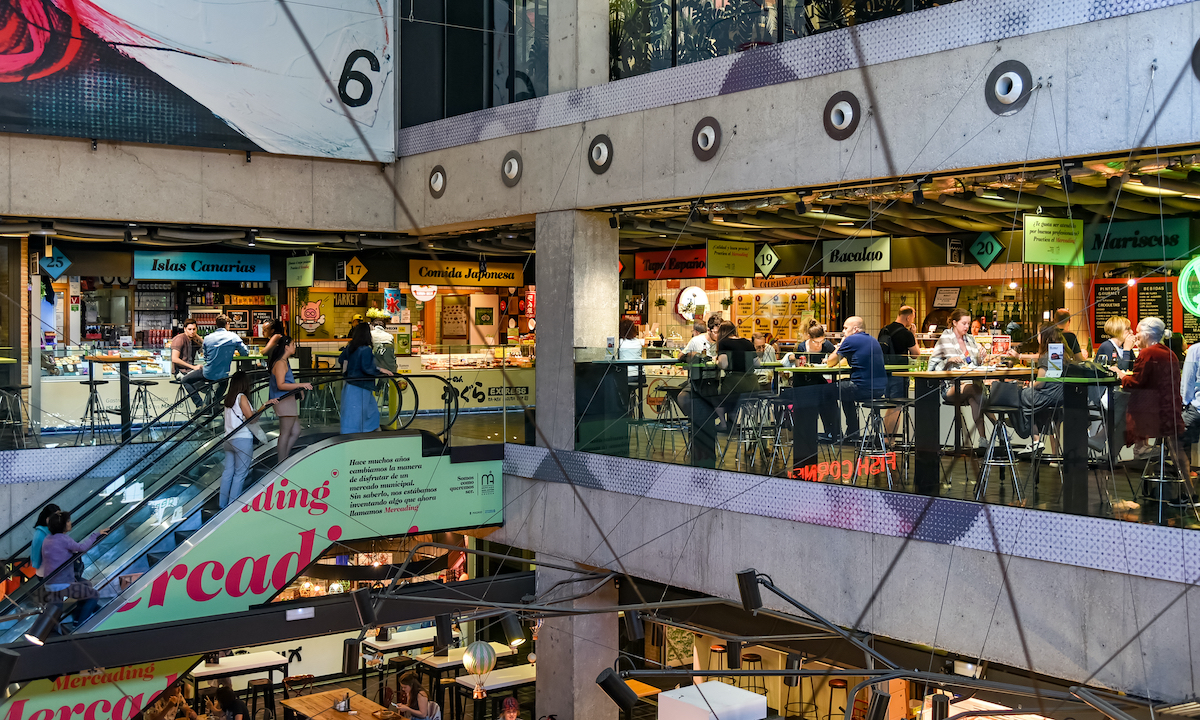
345,490
1053,241
1160,240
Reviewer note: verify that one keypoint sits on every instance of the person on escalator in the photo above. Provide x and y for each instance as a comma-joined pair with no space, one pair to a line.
281,383
41,531
239,436
58,552
360,412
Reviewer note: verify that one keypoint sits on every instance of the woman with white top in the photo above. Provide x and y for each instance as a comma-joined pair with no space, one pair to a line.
956,349
630,346
239,446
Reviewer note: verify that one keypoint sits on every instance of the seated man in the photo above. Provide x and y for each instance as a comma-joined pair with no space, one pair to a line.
765,353
868,379
219,348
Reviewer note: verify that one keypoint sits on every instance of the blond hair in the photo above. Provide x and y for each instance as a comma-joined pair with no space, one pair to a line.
1116,327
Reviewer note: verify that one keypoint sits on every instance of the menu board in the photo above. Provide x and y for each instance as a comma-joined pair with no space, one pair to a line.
1110,299
1154,299
784,313
1190,328
745,305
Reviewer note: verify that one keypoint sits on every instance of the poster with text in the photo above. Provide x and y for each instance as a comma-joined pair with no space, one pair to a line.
117,693
203,73
344,490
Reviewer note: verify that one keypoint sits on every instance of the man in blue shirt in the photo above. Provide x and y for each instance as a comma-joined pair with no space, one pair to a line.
868,379
219,349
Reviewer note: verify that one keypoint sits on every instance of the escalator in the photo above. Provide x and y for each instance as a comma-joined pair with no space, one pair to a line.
177,511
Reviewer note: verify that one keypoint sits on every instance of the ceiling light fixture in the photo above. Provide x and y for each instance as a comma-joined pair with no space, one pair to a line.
614,687
513,631
44,624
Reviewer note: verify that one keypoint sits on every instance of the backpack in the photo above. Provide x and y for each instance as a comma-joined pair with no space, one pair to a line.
385,356
885,342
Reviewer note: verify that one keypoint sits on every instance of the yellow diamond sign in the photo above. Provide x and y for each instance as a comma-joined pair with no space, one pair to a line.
355,270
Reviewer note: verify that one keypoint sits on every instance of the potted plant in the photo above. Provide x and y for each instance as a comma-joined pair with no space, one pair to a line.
660,302
726,302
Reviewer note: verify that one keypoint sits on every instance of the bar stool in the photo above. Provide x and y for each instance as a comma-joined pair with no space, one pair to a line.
143,401
671,418
837,684
782,442
802,707
95,418
16,412
999,442
746,430
1158,475
717,656
871,443
753,683
265,688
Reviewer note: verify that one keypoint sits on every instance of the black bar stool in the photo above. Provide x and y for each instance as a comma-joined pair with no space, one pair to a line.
871,443
94,422
999,452
266,688
802,707
143,405
15,414
753,683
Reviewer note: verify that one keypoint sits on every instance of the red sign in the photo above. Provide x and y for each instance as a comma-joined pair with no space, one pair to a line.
844,470
663,264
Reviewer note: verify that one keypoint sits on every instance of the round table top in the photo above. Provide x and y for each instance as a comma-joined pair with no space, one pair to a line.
113,359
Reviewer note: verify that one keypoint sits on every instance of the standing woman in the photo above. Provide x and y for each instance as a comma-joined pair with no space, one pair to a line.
41,531
281,383
957,349
360,412
239,437
1155,407
58,552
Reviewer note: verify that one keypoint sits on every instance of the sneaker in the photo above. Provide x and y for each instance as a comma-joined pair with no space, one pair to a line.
1145,453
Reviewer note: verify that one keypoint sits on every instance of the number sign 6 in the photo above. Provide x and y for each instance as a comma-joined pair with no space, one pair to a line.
349,73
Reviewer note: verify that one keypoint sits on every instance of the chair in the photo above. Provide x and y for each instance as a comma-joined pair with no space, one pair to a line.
999,442
94,422
265,688
1164,483
298,685
871,443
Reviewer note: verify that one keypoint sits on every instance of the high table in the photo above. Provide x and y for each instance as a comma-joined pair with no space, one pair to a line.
1076,420
806,400
247,664
927,434
319,706
397,643
509,678
438,664
122,364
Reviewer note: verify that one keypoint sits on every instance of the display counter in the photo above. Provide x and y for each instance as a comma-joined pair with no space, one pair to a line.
484,377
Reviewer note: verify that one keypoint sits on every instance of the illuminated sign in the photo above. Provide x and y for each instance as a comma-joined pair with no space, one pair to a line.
844,470
1189,286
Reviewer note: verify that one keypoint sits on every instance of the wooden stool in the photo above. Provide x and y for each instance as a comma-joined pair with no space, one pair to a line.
753,683
717,655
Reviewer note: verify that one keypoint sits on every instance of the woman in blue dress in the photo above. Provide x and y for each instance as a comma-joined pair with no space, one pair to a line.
360,412
283,382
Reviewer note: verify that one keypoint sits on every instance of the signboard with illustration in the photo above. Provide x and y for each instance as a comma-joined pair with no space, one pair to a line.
309,315
103,694
346,490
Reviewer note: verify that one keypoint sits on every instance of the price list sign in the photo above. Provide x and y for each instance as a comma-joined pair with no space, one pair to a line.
1155,299
1110,299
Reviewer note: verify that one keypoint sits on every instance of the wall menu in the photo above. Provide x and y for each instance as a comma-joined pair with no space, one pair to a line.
1108,300
1155,299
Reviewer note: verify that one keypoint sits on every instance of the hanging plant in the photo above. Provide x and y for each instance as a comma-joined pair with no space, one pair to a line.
726,302
660,301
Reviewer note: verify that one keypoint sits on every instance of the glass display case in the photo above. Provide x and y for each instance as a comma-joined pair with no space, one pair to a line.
69,363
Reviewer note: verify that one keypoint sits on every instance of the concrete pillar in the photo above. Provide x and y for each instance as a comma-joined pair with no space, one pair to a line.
578,307
573,651
578,53
868,301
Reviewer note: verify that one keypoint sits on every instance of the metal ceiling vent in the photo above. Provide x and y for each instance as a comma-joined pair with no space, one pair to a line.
511,168
437,181
842,115
600,154
1008,87
706,139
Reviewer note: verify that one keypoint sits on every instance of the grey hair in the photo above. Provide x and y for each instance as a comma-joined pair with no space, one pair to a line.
1154,328
699,328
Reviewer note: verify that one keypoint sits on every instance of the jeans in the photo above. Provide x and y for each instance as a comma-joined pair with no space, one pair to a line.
1191,427
850,393
238,453
360,412
195,379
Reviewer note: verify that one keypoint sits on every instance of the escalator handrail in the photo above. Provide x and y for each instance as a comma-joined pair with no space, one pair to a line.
21,552
212,443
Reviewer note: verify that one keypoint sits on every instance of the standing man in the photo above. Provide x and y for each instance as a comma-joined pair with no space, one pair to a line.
898,344
868,379
1189,382
219,348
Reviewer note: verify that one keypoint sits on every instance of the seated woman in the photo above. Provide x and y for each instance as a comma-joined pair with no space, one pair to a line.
1118,348
735,356
957,349
1155,407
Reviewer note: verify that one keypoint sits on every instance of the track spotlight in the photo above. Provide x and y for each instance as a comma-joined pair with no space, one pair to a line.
513,632
350,656
747,581
878,709
634,630
918,197
8,663
794,662
44,624
252,236
445,634
614,687
613,222
939,707
365,607
802,206
482,264
128,236
734,655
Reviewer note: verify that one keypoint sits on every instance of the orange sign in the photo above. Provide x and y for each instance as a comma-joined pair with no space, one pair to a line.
844,470
664,264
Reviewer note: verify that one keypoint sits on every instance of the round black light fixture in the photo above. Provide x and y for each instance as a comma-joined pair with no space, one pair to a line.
437,181
510,169
706,139
600,154
1008,87
842,114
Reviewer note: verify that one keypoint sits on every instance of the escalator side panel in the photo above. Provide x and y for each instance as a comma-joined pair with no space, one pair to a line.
345,488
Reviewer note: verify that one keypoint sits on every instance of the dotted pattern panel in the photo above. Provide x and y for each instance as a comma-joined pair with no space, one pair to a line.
54,464
959,24
1161,553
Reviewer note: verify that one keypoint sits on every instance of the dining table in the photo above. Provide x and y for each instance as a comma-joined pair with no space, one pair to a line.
927,434
435,665
502,679
320,706
235,665
398,642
